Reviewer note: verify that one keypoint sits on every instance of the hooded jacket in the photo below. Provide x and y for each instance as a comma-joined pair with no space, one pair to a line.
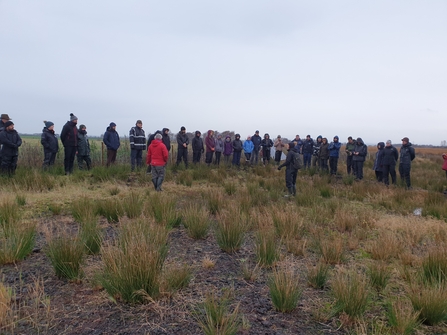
317,145
389,155
219,145
324,151
237,143
69,134
228,146
182,139
165,138
407,153
111,139
292,152
362,150
210,142
157,153
334,148
197,142
11,142
266,144
152,137
248,146
378,165
49,141
83,143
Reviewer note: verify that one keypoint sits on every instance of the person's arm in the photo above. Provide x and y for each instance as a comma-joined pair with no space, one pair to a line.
43,141
132,137
288,161
19,141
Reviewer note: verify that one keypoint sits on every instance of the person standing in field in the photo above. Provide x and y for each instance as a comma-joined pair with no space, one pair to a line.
292,167
279,146
237,150
150,138
248,149
323,155
444,167
157,157
308,147
256,139
197,147
137,139
219,148
69,138
166,139
349,150
10,141
83,148
358,158
50,144
389,159
4,118
183,142
112,141
407,154
316,151
266,145
334,153
378,164
228,149
210,145
298,144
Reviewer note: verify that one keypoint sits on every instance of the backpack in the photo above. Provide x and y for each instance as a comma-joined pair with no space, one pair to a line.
296,161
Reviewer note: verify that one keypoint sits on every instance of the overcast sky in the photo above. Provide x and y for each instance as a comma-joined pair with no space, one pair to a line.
374,69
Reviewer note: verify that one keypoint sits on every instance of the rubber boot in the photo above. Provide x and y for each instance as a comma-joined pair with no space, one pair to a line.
294,190
290,189
159,182
155,184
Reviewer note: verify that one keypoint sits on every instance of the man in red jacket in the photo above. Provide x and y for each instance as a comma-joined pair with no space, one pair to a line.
157,157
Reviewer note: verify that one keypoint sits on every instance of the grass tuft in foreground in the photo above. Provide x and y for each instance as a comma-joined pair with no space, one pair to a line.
196,221
16,241
430,301
317,276
230,230
401,316
284,290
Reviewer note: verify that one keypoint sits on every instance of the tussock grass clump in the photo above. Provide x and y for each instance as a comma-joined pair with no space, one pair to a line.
133,263
66,254
267,248
5,304
185,178
162,209
317,276
230,188
434,265
110,208
91,236
33,180
215,317
430,301
214,200
114,190
350,290
133,205
379,274
344,219
288,222
196,221
17,242
230,229
84,210
435,205
331,249
10,214
208,262
284,290
176,277
249,272
21,200
386,246
296,246
55,208
401,316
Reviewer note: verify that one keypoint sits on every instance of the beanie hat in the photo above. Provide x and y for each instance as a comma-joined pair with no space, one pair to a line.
48,124
73,117
8,123
182,128
388,142
82,126
112,124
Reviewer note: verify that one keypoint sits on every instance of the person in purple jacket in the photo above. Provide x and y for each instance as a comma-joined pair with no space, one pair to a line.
228,149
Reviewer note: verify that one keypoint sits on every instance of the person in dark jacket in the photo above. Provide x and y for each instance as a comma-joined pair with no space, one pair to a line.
166,139
349,150
69,138
389,159
10,141
358,158
237,150
334,153
378,166
157,156
210,145
219,148
266,145
228,149
291,170
137,139
50,144
323,155
112,140
83,148
256,139
183,142
308,147
197,147
407,154
298,144
3,119
316,151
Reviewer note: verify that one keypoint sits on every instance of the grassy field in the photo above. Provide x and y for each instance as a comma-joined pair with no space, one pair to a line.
221,251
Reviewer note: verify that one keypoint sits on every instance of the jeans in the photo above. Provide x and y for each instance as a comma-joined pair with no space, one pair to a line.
236,158
358,169
389,170
196,155
217,157
254,157
209,157
349,164
307,158
278,154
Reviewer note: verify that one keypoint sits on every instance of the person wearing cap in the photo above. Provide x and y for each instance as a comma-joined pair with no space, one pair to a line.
69,138
11,141
308,147
50,144
157,157
112,141
349,150
359,157
256,139
316,152
182,142
137,139
389,159
279,146
334,153
83,148
407,154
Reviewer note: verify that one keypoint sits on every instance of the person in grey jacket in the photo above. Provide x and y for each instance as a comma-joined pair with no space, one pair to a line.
83,148
407,154
358,158
218,149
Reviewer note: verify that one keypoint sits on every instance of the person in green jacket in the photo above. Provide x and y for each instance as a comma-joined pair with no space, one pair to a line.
349,150
83,148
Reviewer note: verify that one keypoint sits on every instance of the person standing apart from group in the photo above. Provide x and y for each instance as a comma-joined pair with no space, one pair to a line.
10,141
3,119
292,166
83,148
183,142
137,139
112,141
157,157
334,153
69,138
407,154
256,139
50,144
210,147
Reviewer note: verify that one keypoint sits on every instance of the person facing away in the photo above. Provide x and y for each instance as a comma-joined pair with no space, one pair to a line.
69,138
10,141
323,155
266,145
256,139
349,149
316,151
228,149
112,141
197,147
237,150
407,154
210,145
182,142
389,158
50,144
378,166
219,148
248,149
334,153
358,158
157,157
308,147
279,146
291,168
150,138
137,139
83,148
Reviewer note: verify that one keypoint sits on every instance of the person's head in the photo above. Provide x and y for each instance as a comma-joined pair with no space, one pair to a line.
291,145
5,118
278,137
266,136
237,136
158,137
112,125
324,140
248,138
350,139
49,125
335,138
319,138
227,138
9,126
139,123
257,132
297,137
405,140
388,143
198,133
73,118
359,141
210,133
183,130
219,136
82,127
380,145
166,131
308,137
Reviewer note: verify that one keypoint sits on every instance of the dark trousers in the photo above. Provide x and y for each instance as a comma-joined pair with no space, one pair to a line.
86,159
227,159
182,154
291,175
379,176
278,154
254,156
196,155
49,158
217,157
70,153
323,164
349,168
389,170
247,156
266,156
333,162
315,161
9,165
307,159
236,158
209,157
136,158
111,157
358,169
404,171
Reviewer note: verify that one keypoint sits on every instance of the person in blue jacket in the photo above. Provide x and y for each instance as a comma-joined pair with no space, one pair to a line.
248,148
112,140
334,153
